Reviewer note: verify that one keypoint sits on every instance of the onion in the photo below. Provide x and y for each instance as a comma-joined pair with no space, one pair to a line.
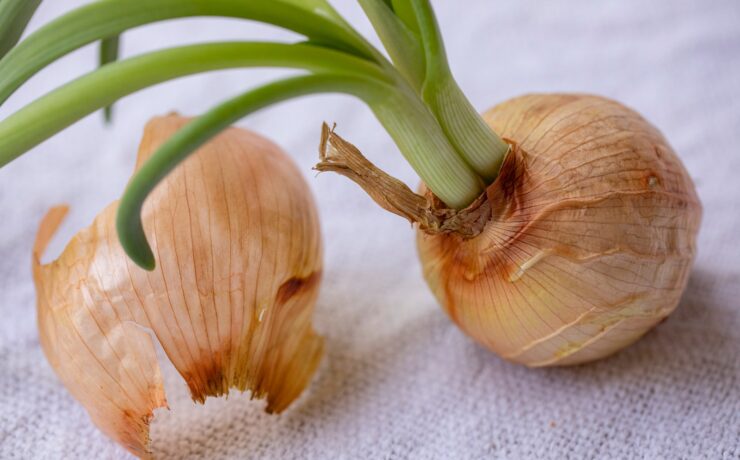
583,242
237,238
590,240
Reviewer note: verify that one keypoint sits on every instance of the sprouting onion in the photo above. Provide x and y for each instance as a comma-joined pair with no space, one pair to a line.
559,240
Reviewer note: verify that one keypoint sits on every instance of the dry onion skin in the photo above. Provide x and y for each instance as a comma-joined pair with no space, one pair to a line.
237,238
590,240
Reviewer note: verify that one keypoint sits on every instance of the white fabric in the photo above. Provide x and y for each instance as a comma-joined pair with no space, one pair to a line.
399,381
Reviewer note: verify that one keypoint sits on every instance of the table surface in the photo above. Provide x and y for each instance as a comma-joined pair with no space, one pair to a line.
399,380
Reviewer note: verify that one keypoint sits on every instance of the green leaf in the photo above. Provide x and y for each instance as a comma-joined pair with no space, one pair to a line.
321,7
14,17
473,139
196,133
60,108
105,18
405,12
402,44
109,49
436,58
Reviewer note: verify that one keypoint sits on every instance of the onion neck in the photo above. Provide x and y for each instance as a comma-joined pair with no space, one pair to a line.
417,132
426,212
411,35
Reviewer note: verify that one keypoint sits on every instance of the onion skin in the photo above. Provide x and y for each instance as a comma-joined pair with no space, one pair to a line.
236,235
591,239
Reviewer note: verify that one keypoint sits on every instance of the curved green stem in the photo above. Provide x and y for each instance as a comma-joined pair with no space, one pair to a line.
405,12
473,139
198,132
423,143
482,148
105,18
436,57
402,43
57,110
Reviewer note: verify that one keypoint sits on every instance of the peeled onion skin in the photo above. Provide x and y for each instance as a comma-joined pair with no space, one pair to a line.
236,236
591,238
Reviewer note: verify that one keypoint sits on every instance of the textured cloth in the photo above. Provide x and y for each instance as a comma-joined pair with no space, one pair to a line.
399,380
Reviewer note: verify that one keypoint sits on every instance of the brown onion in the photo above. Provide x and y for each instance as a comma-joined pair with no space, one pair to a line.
237,240
589,239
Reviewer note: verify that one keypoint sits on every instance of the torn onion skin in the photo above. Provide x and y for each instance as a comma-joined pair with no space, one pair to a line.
236,235
590,241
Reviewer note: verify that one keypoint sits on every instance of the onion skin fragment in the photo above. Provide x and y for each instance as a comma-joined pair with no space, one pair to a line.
239,260
591,238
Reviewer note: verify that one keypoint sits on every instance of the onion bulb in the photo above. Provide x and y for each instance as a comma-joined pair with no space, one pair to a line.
237,238
588,240
583,242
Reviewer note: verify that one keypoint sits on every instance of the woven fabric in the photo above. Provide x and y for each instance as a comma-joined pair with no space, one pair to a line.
399,381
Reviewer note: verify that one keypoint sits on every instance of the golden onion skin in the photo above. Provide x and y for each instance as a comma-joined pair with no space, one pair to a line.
591,239
236,235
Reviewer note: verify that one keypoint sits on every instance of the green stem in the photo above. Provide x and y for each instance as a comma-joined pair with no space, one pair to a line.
109,49
475,141
105,18
424,145
401,43
482,148
57,110
405,12
14,17
198,132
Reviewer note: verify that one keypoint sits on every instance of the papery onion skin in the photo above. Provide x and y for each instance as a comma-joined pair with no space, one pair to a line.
591,239
236,235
